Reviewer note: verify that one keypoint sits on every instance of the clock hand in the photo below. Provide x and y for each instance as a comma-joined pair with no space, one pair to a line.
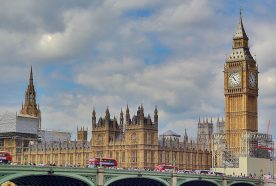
234,78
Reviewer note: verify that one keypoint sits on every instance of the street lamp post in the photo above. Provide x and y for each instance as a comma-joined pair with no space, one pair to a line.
272,162
273,168
224,163
261,172
174,165
101,156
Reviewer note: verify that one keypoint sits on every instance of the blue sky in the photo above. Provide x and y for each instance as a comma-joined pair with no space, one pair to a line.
112,53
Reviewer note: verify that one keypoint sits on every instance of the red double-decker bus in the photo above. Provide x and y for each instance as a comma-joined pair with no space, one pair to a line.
164,168
105,162
5,157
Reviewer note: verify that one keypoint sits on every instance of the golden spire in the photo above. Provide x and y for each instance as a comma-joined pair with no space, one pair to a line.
240,49
240,32
30,107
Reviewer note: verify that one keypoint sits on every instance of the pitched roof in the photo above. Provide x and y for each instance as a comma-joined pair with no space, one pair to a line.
240,32
170,133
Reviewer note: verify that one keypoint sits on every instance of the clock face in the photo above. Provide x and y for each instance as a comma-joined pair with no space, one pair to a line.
234,79
252,79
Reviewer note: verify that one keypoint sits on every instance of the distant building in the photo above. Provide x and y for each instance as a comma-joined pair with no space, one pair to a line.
53,136
19,132
133,141
169,139
82,134
204,133
220,126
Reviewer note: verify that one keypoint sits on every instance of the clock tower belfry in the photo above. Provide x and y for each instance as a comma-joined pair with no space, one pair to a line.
240,90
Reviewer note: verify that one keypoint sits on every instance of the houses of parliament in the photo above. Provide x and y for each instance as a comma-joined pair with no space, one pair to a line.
134,140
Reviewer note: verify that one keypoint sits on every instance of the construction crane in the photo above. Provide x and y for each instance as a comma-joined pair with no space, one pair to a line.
267,128
266,146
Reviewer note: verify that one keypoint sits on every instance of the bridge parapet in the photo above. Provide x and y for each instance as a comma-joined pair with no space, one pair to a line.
104,177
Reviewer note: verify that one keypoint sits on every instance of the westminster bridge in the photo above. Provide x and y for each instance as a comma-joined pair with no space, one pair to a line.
43,176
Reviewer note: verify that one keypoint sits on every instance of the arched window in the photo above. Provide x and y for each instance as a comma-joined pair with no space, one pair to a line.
99,139
133,137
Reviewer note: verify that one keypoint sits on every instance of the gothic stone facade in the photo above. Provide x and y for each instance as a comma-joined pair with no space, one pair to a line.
132,141
240,90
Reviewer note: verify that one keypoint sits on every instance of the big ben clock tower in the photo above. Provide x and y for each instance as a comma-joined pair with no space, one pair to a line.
240,90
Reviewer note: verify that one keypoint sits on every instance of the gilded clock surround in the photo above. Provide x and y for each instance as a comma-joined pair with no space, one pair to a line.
252,79
234,79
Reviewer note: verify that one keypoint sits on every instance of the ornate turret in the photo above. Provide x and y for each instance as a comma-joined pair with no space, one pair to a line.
148,120
107,114
30,108
127,116
107,119
220,126
115,124
141,115
185,137
240,49
82,134
155,116
240,32
121,120
93,118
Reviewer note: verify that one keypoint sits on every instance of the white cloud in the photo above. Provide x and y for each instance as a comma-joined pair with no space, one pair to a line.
267,80
177,16
170,83
128,5
168,53
263,43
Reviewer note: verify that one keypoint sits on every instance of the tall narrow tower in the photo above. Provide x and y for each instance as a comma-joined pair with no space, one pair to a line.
82,134
30,108
240,90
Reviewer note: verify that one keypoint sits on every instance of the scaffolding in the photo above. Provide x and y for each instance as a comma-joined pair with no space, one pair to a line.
222,157
252,144
257,145
7,122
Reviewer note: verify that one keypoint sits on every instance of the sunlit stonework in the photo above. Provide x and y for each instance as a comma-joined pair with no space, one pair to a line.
134,141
